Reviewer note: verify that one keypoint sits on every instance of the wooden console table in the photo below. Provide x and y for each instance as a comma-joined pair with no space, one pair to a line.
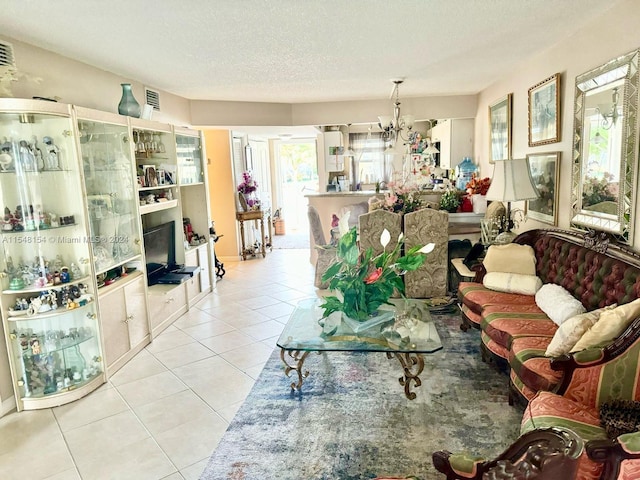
254,215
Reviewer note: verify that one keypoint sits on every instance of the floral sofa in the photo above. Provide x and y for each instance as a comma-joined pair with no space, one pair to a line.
567,391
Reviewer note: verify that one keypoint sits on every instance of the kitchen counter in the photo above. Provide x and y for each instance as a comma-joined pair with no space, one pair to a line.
359,193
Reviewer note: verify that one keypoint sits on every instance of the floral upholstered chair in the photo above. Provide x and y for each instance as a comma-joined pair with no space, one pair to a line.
326,253
547,453
598,376
372,225
420,228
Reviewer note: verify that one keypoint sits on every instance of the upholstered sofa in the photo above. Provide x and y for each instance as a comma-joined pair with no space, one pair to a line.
566,391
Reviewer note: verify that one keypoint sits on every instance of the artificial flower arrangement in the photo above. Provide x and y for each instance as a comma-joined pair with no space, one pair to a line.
399,199
478,186
248,184
247,188
366,282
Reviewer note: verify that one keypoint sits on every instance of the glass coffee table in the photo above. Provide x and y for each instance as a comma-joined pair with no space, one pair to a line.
406,337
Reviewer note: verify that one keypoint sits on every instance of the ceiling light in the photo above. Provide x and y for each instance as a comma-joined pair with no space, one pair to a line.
395,124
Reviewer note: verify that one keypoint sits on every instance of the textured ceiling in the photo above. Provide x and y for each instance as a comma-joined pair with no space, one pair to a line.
300,51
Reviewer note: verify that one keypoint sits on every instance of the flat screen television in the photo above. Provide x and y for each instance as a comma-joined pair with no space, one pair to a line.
159,250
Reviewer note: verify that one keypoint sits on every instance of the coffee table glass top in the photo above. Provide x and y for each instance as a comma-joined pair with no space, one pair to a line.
304,332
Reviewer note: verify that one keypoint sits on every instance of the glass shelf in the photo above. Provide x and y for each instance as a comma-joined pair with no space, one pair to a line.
85,279
52,313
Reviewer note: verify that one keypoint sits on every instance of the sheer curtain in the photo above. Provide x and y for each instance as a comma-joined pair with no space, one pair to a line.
369,160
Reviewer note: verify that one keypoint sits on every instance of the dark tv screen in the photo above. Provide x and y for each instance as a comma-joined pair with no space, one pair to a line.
159,248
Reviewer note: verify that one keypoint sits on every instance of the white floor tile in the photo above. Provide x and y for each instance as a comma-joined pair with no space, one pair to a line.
162,414
151,388
183,355
172,411
194,471
192,441
89,409
227,341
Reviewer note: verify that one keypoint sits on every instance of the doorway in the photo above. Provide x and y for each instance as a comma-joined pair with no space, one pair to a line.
296,166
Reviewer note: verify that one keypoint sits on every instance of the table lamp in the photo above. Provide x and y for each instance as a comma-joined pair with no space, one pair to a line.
511,182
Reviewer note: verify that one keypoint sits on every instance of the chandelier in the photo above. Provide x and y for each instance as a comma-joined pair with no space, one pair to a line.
609,111
393,126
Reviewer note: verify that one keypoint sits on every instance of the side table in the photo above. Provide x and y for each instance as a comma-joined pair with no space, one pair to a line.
251,215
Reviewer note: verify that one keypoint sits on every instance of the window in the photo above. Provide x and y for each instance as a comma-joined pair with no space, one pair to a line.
369,148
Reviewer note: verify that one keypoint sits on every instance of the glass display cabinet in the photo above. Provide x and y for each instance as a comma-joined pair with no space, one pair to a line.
194,196
111,188
189,153
48,290
156,166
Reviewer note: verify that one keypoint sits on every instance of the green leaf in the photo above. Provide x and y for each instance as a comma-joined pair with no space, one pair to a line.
331,271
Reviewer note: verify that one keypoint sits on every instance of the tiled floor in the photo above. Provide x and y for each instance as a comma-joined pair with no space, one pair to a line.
163,413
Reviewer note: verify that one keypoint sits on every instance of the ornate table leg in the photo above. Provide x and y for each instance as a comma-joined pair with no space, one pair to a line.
299,359
412,365
264,247
244,252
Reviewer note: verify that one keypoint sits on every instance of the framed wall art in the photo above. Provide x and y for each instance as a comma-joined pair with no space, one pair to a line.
545,172
500,129
544,108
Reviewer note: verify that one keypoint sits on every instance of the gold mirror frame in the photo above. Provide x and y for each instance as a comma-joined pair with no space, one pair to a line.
622,70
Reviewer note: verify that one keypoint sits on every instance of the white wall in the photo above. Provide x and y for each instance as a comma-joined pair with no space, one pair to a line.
615,33
81,84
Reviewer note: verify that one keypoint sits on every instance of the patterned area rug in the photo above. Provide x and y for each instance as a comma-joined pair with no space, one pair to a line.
352,420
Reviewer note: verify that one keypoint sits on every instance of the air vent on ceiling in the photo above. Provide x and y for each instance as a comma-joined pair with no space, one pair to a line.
153,98
6,55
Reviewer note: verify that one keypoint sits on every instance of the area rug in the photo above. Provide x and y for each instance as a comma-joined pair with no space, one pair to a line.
352,420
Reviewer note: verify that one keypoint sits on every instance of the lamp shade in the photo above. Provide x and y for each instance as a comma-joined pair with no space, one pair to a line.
512,181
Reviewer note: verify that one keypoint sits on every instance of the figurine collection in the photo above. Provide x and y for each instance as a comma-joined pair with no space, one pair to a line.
28,156
28,218
41,273
46,371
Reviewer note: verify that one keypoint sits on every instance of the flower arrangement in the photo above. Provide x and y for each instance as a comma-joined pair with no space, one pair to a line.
478,186
248,184
450,201
399,199
365,282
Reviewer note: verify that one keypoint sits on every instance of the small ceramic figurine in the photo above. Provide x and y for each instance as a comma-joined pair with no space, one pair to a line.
26,157
53,152
75,272
5,157
36,152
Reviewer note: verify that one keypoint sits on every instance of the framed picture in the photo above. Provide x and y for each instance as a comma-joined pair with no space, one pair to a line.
544,108
545,172
500,129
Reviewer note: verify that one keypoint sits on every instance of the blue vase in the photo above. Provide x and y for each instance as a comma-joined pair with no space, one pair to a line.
128,104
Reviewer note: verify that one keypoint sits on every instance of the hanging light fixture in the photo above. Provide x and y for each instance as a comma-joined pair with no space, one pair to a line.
393,125
609,111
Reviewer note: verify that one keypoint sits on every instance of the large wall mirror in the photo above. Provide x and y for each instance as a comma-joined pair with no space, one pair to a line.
605,148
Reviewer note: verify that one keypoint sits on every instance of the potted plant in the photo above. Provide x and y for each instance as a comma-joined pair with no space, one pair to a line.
450,201
364,282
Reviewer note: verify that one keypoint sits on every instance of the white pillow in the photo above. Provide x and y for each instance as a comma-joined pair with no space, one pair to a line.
571,331
557,303
512,283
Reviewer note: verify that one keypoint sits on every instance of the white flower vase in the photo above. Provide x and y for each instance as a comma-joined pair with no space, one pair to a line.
479,203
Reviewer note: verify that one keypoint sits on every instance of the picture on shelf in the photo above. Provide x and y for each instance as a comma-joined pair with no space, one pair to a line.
150,175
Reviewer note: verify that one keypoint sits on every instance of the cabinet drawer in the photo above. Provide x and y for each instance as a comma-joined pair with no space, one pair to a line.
164,303
193,287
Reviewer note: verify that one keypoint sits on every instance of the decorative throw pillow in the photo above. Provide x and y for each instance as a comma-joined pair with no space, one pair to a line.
510,258
610,325
571,331
557,303
512,283
619,417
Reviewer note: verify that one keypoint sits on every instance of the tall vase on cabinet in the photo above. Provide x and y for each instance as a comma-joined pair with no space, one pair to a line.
128,104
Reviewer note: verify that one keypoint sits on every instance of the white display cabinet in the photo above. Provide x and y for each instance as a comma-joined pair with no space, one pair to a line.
48,299
111,186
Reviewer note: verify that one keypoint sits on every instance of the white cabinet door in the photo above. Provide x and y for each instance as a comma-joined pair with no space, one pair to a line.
136,308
